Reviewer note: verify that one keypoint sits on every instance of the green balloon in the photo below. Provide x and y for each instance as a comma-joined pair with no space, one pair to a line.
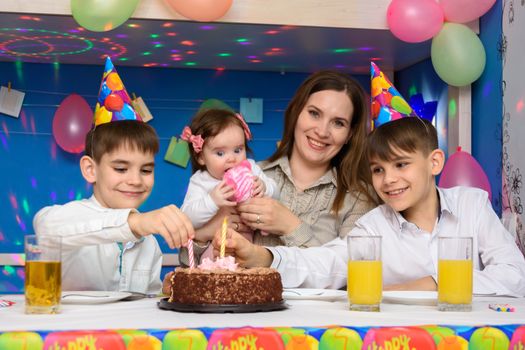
214,103
101,16
458,56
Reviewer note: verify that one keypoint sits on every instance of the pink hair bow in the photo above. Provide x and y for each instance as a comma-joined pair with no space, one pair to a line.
247,131
196,140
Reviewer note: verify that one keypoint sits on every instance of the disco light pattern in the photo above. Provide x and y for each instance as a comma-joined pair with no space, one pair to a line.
40,44
187,44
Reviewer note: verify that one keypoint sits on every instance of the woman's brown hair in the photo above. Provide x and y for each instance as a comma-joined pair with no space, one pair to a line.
352,174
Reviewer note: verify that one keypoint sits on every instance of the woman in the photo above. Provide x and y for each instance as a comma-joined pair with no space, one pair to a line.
318,168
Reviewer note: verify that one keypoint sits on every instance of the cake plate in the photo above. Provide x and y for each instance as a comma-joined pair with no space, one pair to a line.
221,308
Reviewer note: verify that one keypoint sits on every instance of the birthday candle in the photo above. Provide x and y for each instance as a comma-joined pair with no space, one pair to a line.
191,257
223,236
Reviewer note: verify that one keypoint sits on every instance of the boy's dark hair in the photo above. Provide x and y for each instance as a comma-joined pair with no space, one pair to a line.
108,137
209,123
409,134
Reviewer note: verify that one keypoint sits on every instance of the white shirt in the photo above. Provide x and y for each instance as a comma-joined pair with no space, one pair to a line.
91,256
198,204
409,253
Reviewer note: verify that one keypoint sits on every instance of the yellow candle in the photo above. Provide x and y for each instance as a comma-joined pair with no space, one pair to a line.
223,236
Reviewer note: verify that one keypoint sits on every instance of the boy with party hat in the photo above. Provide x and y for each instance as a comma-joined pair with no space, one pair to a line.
107,243
404,159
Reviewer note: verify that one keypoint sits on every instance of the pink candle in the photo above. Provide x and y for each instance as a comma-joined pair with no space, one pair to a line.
191,257
223,236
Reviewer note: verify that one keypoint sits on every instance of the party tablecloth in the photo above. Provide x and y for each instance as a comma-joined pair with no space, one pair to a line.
305,324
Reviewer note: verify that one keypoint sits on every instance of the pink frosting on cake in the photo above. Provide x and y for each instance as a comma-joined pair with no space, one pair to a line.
226,263
240,178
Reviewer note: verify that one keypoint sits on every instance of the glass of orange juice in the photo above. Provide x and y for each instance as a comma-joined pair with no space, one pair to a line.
43,274
365,278
454,273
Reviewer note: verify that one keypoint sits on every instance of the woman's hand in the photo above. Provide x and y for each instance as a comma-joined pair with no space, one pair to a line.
206,232
269,215
246,254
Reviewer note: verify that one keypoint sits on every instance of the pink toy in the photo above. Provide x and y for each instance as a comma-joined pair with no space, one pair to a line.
240,178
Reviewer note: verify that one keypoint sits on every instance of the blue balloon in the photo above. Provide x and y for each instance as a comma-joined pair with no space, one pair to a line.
383,117
104,92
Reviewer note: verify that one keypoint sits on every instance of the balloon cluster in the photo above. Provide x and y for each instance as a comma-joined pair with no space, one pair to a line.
200,10
457,54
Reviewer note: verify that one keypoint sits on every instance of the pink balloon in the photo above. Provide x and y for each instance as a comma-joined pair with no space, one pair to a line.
414,21
461,169
462,11
71,123
200,10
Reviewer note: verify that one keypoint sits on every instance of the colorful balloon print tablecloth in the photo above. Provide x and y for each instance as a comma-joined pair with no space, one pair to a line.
248,338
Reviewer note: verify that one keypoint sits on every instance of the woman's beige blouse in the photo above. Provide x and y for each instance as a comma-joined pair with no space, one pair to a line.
313,207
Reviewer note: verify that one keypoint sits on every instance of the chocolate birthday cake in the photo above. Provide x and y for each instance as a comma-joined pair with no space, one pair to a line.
220,282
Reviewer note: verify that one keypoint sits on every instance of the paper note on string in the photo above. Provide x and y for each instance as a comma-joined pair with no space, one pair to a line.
11,101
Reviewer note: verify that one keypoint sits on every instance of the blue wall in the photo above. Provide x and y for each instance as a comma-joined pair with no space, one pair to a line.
35,172
487,104
422,79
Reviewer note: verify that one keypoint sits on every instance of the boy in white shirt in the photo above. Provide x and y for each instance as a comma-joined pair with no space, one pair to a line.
106,243
404,160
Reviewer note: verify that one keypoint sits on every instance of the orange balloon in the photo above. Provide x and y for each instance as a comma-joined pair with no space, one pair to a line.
113,82
200,10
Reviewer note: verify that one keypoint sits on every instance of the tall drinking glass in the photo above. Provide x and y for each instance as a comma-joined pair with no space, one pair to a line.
455,273
43,274
365,281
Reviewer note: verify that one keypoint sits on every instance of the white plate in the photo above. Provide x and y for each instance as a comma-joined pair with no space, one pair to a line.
410,297
92,297
314,294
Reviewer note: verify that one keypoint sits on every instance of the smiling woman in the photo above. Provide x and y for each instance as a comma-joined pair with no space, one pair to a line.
318,170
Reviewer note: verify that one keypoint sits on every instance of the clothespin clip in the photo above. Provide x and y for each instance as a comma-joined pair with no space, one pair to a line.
134,96
502,307
9,87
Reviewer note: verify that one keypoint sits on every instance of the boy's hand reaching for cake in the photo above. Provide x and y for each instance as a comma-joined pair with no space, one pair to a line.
246,253
169,222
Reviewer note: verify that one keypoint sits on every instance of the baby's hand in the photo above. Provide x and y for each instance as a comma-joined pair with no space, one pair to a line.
221,194
169,222
259,188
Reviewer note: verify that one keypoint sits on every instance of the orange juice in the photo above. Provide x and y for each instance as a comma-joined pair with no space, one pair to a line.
455,281
365,284
42,286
